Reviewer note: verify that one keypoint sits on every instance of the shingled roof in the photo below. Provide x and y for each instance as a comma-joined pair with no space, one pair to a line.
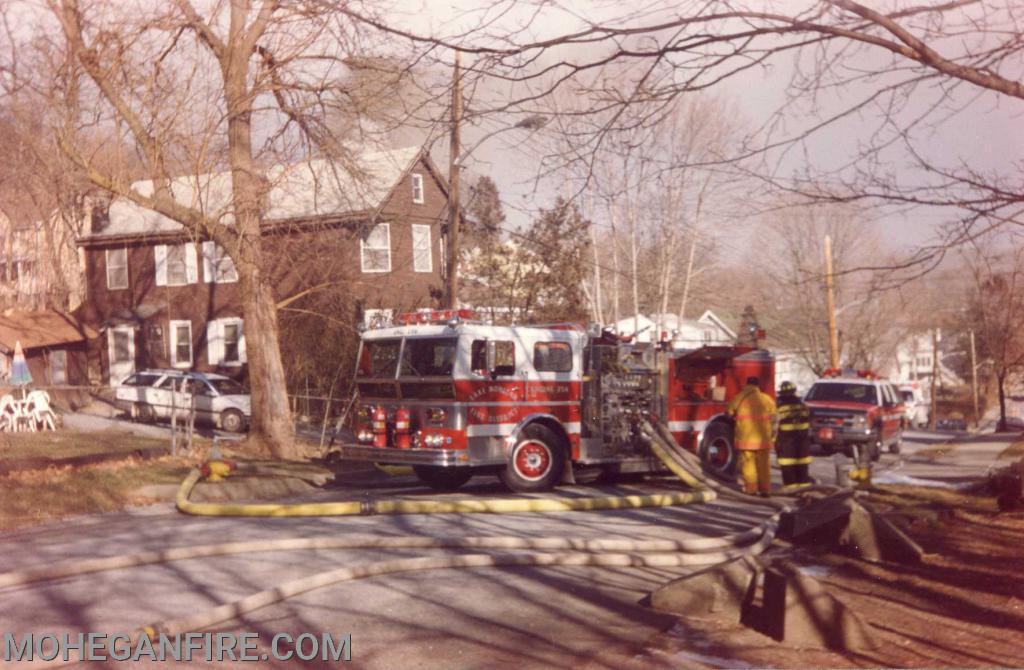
40,329
307,190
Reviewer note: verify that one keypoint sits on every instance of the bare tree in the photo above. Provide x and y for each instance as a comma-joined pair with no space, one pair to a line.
140,79
995,310
782,275
874,83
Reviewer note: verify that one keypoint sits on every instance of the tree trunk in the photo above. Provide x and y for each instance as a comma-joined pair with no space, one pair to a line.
271,422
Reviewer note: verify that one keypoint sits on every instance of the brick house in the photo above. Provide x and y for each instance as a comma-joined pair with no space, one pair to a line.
161,298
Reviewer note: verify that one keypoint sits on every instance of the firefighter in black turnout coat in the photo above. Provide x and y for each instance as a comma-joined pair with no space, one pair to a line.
793,446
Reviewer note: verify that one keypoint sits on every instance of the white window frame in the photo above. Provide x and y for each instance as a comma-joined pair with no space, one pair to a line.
378,317
61,354
417,188
215,342
173,341
110,285
363,248
214,258
191,264
429,265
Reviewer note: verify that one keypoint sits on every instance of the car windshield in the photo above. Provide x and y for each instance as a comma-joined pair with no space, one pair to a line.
428,357
863,393
227,387
378,358
907,395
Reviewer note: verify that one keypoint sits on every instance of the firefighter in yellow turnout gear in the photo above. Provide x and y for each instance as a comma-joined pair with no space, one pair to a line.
754,412
793,445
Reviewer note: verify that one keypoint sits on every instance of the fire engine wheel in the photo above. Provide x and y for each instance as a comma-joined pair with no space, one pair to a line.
442,479
894,448
717,451
536,462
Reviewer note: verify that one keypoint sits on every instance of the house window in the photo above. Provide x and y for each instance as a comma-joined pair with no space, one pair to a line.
181,344
175,264
225,342
378,318
552,357
422,259
117,268
217,265
375,249
59,367
417,188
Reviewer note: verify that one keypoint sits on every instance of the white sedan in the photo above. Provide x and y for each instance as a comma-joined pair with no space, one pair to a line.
153,394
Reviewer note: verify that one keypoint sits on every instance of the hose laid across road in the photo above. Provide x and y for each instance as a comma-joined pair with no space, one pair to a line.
564,551
464,506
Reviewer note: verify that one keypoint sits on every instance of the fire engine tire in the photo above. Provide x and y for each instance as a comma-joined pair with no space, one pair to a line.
442,479
143,413
536,461
875,447
717,451
232,421
894,448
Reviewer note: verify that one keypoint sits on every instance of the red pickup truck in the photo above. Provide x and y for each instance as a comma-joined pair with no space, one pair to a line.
855,409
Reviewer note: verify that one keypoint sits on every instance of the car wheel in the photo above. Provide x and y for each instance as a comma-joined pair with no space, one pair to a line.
536,461
143,413
442,479
232,421
717,451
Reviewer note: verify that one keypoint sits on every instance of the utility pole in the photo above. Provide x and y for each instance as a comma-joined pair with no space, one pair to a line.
935,379
454,220
974,379
830,297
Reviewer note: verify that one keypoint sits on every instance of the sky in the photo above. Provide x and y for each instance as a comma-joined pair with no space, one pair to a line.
985,135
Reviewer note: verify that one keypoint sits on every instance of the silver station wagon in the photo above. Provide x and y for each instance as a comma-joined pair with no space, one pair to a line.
218,400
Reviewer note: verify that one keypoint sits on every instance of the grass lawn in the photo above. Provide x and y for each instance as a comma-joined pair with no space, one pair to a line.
63,443
32,497
29,497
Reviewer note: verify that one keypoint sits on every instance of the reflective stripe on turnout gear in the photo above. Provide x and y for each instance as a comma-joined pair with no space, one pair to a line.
807,460
794,426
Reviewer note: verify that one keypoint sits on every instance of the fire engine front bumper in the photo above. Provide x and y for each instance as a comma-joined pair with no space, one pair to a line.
392,456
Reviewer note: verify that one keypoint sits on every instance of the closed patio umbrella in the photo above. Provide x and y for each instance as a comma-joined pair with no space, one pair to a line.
20,375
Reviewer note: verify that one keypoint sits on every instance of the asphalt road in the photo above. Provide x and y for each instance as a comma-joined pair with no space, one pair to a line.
484,618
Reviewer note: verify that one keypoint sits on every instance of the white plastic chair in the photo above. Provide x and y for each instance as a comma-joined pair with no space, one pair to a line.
8,413
37,407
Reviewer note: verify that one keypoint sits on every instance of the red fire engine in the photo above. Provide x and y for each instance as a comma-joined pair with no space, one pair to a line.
453,397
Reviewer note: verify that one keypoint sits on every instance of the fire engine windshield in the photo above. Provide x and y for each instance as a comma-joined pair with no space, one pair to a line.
428,357
864,393
378,358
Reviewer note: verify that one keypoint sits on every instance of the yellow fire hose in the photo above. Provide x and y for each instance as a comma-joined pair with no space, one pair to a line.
566,551
702,493
464,506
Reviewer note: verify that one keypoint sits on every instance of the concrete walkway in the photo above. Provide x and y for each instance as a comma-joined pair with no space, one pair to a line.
961,461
